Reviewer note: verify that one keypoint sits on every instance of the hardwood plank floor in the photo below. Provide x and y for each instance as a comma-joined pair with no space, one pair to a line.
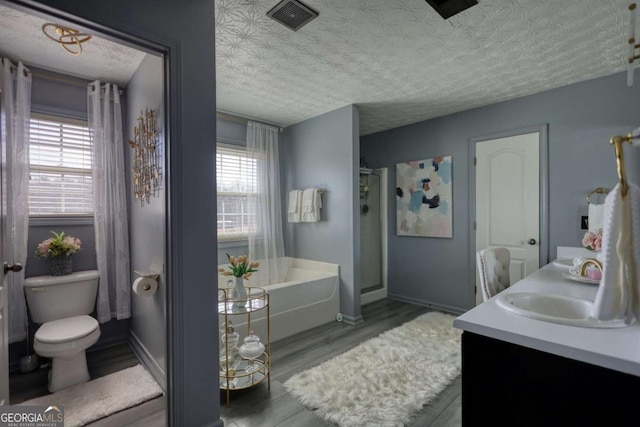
260,407
100,363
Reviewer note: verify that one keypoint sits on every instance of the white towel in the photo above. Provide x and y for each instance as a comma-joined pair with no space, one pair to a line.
311,204
295,206
596,217
618,295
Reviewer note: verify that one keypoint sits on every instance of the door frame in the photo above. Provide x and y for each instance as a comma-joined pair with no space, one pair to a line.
183,399
543,201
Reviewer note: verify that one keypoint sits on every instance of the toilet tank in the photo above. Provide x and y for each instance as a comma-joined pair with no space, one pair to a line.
58,297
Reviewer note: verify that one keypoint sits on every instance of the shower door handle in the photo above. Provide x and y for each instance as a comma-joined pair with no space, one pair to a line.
13,268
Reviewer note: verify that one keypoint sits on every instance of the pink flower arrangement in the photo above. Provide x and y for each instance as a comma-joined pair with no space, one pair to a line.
58,245
592,241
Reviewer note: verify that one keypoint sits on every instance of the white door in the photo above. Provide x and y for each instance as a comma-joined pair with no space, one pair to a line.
4,322
507,201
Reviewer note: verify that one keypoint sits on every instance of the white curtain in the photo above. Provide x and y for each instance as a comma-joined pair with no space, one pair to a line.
16,112
110,202
266,242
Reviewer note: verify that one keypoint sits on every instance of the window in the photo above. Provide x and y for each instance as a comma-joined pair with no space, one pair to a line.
236,184
60,182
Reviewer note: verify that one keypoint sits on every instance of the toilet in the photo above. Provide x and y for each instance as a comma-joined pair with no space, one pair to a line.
61,305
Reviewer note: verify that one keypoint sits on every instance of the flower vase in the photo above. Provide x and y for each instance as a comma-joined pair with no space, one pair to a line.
239,293
60,265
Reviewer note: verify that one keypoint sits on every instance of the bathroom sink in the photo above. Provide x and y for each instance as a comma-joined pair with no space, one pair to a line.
554,308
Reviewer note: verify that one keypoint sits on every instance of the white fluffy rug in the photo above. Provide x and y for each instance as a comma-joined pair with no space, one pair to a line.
385,380
104,396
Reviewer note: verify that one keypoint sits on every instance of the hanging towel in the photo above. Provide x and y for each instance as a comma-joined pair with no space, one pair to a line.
596,217
295,206
311,204
618,293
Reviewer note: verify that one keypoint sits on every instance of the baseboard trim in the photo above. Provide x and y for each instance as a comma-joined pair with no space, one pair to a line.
100,345
424,303
148,361
373,296
352,320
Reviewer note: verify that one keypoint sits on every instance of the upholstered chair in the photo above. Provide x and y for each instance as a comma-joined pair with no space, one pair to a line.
493,266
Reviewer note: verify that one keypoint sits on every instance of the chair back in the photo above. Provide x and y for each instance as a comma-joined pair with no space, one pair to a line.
493,266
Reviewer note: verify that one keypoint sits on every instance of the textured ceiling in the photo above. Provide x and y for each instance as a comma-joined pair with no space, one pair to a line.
401,63
21,38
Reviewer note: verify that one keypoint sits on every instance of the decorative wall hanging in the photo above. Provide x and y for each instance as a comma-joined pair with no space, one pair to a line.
146,170
424,198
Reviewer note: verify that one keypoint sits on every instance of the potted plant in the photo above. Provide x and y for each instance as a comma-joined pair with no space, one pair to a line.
59,249
241,268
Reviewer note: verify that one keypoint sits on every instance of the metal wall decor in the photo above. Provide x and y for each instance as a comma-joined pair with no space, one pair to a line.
146,169
633,46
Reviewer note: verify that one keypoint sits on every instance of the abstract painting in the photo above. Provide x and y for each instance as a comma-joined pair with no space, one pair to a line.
424,198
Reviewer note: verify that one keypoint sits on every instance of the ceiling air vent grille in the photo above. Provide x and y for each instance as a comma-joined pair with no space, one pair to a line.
292,14
448,8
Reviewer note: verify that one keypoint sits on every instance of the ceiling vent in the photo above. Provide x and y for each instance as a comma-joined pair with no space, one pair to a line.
292,14
448,8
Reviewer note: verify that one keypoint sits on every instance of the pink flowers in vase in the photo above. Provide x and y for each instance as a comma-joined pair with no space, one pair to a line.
592,241
59,245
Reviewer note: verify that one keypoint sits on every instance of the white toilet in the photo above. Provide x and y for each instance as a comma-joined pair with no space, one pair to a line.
62,304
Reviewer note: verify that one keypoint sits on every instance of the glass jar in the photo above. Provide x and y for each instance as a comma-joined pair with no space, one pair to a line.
252,347
251,350
229,347
229,336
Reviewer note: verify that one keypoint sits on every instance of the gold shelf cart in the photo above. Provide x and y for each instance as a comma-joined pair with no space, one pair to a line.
238,379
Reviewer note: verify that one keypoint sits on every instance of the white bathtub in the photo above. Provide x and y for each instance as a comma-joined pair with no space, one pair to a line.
309,297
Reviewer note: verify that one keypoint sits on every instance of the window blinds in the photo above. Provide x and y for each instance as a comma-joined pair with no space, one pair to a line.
60,154
236,183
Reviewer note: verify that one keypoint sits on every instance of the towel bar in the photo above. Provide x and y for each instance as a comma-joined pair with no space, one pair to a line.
598,190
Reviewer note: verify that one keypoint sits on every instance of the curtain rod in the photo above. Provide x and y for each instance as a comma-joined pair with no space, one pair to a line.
48,76
239,118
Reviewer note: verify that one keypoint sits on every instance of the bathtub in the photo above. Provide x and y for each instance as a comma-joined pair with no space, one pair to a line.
308,297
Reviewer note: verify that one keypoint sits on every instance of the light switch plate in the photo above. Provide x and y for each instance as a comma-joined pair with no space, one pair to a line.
584,222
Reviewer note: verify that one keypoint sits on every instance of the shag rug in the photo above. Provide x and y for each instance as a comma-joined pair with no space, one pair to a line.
103,396
387,379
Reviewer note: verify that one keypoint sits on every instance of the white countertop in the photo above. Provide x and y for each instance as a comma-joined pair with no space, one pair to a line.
617,349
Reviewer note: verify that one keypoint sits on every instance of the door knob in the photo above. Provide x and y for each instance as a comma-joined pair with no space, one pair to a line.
531,241
13,268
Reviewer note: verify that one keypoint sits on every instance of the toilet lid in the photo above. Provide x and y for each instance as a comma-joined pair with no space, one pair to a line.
68,329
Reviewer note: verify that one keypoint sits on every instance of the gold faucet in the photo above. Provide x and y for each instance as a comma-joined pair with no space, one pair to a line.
587,262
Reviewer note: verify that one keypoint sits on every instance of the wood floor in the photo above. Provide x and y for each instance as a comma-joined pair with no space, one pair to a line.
259,407
100,363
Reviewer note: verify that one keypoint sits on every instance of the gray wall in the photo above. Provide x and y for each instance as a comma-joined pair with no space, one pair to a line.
324,152
147,223
57,97
581,118
185,30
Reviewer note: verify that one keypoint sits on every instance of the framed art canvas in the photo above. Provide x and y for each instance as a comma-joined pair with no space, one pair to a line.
424,198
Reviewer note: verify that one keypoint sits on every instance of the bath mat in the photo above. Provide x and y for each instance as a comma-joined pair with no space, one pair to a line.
103,396
387,379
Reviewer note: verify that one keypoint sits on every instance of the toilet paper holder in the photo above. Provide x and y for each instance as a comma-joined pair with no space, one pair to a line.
154,276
